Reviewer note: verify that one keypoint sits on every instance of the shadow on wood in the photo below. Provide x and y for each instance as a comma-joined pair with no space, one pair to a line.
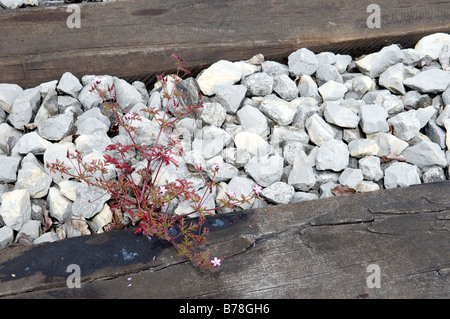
314,249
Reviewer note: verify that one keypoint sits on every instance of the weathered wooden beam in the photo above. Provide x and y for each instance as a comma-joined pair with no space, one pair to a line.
134,39
314,249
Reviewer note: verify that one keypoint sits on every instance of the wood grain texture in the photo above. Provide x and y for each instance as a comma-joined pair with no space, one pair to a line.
134,39
315,249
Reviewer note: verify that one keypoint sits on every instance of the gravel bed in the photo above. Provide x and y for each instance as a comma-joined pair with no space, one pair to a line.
322,125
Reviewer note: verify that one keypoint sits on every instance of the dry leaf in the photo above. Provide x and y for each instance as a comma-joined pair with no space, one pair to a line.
392,157
81,225
47,220
340,190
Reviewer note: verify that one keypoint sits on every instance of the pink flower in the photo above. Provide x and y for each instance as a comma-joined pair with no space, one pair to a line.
231,194
215,262
162,190
97,80
257,189
217,166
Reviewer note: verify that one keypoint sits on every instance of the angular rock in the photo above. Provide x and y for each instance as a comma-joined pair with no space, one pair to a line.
24,107
388,143
429,81
302,61
373,119
60,207
433,174
59,152
32,143
332,91
48,237
253,120
219,74
16,208
56,128
425,114
328,72
280,111
265,170
68,188
146,132
97,141
319,131
370,167
435,133
351,177
253,143
432,44
342,62
340,115
69,84
291,150
302,176
242,185
89,201
401,174
425,154
274,69
213,114
303,197
390,102
367,186
285,87
259,84
406,125
392,78
307,87
226,173
376,63
358,86
6,236
8,93
332,155
278,193
34,179
101,219
361,147
126,94
9,166
231,97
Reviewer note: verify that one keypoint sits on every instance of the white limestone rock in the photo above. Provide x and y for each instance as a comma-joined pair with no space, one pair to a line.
376,63
361,147
265,170
351,177
318,130
373,118
60,207
425,154
253,120
279,110
278,193
332,155
69,84
388,143
371,168
332,91
406,125
16,208
429,81
302,61
400,174
432,44
340,115
8,93
32,178
219,74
